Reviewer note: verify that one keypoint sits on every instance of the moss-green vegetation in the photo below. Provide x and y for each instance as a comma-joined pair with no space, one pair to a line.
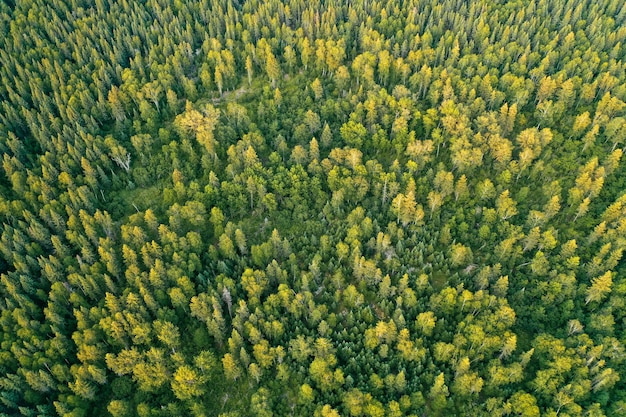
215,208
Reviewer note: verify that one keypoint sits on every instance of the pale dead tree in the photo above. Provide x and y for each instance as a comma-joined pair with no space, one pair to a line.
121,161
574,326
228,300
118,153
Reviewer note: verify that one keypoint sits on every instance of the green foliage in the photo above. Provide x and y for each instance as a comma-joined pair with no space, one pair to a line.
364,209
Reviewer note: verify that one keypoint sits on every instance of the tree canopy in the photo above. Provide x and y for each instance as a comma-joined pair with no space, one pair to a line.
285,208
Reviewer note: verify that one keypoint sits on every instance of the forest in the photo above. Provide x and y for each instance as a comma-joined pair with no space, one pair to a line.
319,208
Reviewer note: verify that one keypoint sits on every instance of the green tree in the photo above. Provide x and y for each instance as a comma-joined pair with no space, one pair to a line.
187,383
600,288
272,67
353,134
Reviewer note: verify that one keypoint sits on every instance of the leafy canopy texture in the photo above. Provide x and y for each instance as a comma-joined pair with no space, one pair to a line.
312,208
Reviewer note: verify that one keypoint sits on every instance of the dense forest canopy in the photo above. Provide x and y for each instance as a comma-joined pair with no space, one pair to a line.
312,208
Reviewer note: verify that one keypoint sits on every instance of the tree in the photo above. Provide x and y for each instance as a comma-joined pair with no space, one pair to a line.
187,383
217,220
461,189
254,283
438,393
327,137
342,78
259,405
249,69
231,368
317,88
600,288
406,209
486,190
205,361
581,123
420,151
353,134
255,372
328,411
307,394
272,67
168,334
524,404
505,206
435,201
226,247
116,100
467,384
118,408
460,255
201,125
